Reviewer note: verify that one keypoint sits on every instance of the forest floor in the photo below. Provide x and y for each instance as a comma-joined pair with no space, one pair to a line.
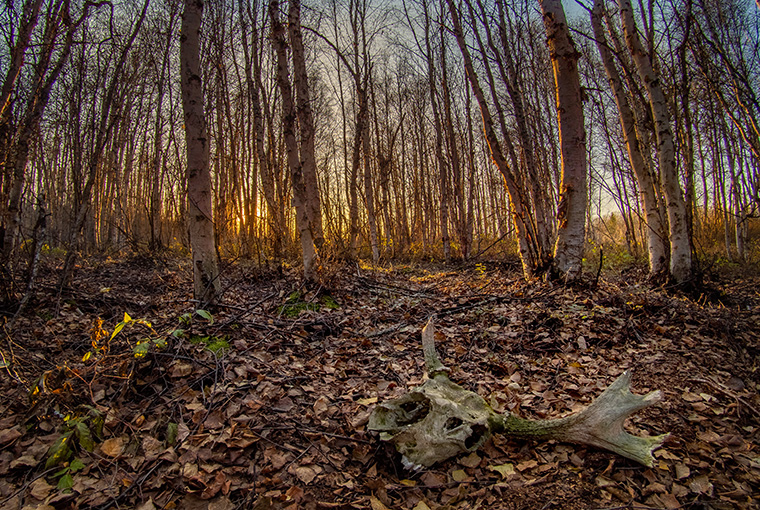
264,402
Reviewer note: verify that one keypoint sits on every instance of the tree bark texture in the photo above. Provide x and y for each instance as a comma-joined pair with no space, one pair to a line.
656,245
520,214
571,212
681,267
199,200
300,201
306,124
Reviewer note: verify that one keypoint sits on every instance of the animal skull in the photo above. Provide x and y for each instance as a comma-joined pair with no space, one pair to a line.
434,422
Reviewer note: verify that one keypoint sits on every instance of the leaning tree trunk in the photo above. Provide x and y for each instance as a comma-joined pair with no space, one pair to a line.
440,419
531,260
656,245
681,267
199,207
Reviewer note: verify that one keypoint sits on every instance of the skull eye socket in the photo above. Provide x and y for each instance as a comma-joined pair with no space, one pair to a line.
413,411
475,437
452,423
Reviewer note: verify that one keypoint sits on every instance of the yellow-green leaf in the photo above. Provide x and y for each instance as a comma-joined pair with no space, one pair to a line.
118,328
60,452
503,469
206,315
459,475
85,436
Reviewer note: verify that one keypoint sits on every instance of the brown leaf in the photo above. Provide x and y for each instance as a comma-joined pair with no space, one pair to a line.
221,503
701,485
376,504
283,405
321,405
40,489
670,501
216,485
180,369
471,461
148,505
114,446
306,473
24,461
10,435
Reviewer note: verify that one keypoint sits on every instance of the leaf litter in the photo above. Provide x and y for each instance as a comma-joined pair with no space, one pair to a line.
249,407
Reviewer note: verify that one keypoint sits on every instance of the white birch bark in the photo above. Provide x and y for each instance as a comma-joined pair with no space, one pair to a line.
571,212
656,246
681,267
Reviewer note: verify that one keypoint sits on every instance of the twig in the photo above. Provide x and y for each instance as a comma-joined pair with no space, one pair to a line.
726,391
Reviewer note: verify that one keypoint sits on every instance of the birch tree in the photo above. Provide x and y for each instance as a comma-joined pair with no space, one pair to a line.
300,181
681,265
656,240
571,212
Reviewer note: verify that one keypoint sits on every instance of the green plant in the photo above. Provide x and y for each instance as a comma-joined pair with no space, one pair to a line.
295,304
186,321
217,345
78,432
66,480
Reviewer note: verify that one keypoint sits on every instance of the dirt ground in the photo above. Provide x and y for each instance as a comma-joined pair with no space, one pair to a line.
263,402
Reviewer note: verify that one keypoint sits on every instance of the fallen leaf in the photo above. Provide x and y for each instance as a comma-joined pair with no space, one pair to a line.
321,405
10,435
283,405
221,503
376,504
459,475
504,470
114,446
528,464
670,501
471,461
148,505
24,461
180,369
40,489
307,473
701,485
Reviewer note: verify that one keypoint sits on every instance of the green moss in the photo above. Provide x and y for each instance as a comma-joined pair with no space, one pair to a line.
217,345
295,304
329,302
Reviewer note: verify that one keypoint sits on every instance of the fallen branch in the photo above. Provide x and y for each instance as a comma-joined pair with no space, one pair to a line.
440,419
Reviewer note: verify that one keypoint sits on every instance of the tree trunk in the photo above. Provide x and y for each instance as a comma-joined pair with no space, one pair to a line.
199,206
656,246
306,126
571,212
300,201
681,267
520,214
